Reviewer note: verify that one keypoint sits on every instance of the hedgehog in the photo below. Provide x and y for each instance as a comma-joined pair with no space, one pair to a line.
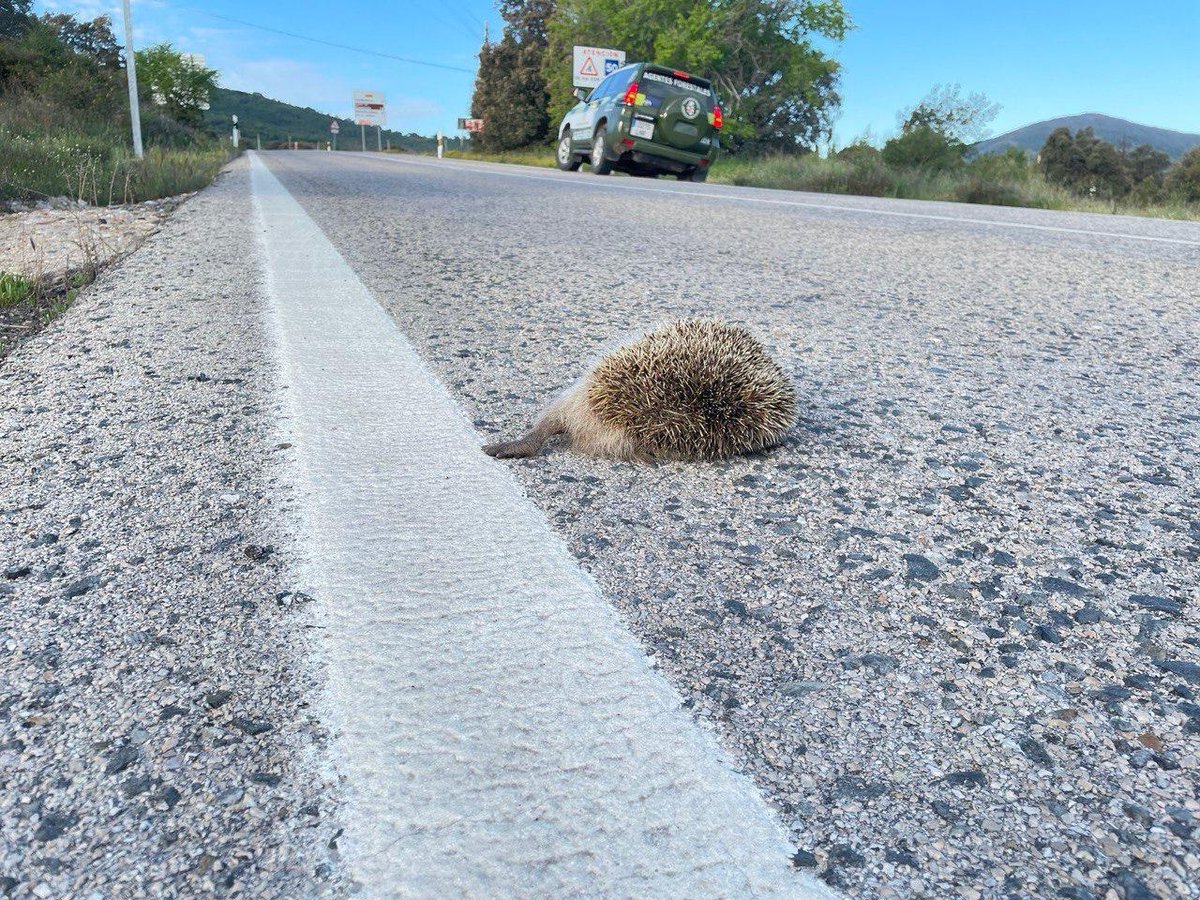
691,390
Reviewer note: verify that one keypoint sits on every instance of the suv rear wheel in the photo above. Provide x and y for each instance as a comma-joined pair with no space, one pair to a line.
567,161
601,165
696,174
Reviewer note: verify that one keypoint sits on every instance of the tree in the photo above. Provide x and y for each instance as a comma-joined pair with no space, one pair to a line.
947,111
94,39
176,83
1144,162
1059,160
1183,181
41,65
1106,169
1084,163
510,89
776,89
15,18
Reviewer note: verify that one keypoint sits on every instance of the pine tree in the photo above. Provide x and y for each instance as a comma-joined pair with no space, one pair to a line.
510,90
16,16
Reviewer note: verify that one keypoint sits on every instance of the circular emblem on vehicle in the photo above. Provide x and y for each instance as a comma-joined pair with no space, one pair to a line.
690,108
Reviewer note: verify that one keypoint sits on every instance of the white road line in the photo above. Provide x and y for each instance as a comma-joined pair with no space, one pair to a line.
583,181
498,731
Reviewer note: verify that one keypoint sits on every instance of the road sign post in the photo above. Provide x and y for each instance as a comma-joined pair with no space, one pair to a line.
369,109
334,128
236,141
591,65
135,115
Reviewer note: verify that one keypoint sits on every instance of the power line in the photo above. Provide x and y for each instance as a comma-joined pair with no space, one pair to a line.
301,37
465,23
466,15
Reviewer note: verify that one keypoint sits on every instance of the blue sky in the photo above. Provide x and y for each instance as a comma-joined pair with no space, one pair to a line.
1037,59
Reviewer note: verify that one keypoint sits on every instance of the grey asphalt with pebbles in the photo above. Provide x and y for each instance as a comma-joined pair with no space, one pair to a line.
950,627
154,737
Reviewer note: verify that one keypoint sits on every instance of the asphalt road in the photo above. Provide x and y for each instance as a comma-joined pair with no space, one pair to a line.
922,625
948,630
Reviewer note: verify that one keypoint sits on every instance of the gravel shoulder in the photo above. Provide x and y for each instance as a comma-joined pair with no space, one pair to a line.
154,736
950,628
52,239
58,247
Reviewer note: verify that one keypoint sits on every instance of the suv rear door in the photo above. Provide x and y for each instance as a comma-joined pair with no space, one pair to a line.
583,128
682,106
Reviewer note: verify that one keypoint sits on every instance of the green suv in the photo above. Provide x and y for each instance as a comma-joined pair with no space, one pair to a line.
645,120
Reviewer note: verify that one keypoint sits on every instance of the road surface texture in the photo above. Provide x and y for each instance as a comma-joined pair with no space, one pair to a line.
154,736
950,627
497,731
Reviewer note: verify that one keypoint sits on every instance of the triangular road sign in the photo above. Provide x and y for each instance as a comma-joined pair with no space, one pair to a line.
588,67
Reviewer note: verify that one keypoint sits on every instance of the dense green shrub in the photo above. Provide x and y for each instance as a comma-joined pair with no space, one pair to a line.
1183,181
924,147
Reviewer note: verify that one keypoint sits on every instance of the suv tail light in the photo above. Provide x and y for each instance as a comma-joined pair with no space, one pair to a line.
631,93
717,119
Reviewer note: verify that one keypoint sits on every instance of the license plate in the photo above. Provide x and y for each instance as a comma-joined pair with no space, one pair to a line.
642,128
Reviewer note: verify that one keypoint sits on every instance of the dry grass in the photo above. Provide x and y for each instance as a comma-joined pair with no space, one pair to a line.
52,152
46,286
530,156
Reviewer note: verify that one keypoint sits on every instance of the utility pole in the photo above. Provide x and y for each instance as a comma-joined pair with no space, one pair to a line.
135,114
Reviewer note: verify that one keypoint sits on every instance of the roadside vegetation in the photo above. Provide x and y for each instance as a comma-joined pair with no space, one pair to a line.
64,121
781,94
27,305
1009,179
64,132
529,156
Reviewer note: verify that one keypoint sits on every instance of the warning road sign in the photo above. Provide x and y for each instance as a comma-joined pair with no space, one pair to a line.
590,65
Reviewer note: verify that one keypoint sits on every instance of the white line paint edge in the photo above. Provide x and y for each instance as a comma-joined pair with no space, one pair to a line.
497,731
606,184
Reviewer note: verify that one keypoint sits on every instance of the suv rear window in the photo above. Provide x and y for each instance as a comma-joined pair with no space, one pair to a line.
660,86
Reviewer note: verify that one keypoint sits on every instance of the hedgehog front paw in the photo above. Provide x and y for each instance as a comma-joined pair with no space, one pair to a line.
510,450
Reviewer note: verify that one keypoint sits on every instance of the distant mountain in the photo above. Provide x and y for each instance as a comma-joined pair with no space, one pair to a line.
274,122
1108,128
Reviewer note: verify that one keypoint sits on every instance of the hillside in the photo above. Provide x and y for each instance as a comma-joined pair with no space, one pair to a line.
1108,128
275,122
